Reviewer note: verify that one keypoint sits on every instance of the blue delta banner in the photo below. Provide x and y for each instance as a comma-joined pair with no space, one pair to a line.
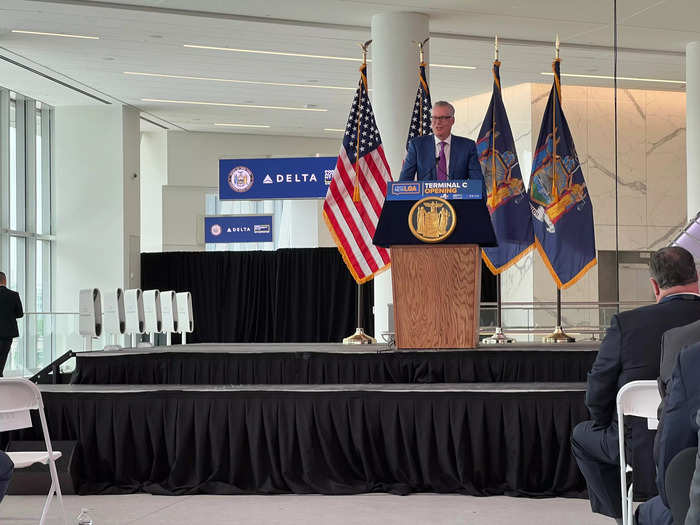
239,228
561,207
287,178
507,199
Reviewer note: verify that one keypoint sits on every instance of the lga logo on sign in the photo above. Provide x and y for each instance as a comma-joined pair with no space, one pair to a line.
328,177
261,228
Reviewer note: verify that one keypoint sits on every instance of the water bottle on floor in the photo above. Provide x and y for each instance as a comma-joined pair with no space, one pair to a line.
84,518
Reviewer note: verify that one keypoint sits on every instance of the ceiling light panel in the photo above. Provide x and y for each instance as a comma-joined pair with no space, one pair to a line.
229,105
64,35
249,82
609,77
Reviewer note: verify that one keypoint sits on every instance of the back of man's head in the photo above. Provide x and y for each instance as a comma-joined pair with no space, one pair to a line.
673,266
3,278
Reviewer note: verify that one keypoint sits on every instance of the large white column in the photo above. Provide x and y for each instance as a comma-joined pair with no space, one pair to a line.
393,78
96,167
692,109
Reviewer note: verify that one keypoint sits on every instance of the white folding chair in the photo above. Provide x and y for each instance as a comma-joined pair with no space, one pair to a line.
17,398
641,399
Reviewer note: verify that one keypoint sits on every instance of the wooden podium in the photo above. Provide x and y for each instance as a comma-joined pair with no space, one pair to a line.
436,286
437,290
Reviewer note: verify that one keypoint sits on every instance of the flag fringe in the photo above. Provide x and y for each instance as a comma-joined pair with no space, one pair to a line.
576,278
346,259
511,262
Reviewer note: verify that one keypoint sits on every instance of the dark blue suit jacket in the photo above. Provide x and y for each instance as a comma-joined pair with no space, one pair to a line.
680,427
10,311
421,162
630,351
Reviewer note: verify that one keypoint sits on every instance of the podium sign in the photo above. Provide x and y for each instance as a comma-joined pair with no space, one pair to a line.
450,190
436,278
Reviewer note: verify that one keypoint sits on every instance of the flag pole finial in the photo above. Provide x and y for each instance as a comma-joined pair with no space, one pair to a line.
495,50
421,45
365,48
556,46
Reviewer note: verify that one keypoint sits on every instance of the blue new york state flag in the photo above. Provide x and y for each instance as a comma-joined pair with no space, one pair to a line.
507,199
561,207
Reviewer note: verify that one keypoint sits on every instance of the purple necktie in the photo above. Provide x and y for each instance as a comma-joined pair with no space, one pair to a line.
442,163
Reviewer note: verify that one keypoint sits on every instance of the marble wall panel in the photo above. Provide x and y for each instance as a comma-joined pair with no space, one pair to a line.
632,185
660,236
600,160
665,158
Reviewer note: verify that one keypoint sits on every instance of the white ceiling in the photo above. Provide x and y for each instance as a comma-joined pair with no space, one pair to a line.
149,36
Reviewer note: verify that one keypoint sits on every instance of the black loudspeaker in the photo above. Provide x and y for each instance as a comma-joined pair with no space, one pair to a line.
36,479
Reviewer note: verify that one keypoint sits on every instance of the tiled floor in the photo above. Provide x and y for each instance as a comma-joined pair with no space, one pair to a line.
384,509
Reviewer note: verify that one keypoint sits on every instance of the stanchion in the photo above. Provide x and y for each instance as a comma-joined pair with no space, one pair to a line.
359,337
498,337
558,336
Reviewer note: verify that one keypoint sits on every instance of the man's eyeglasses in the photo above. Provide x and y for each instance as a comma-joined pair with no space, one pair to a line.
441,118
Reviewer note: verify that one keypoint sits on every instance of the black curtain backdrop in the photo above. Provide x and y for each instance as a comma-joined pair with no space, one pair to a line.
289,368
287,296
342,442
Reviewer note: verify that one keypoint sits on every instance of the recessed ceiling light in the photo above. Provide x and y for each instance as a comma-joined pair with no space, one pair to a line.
334,129
254,82
228,105
65,35
450,66
303,55
279,53
240,125
608,77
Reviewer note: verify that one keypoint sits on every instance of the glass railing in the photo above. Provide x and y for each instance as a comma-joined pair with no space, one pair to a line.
43,338
586,320
46,336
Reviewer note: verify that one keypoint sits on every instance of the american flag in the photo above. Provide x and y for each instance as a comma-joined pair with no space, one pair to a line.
353,221
420,119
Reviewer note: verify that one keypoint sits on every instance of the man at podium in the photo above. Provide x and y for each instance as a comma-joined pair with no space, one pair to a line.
441,156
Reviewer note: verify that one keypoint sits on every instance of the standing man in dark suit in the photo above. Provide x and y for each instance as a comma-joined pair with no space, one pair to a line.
10,311
631,351
442,156
680,431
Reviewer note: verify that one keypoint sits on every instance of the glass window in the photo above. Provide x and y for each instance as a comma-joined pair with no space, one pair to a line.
13,164
25,236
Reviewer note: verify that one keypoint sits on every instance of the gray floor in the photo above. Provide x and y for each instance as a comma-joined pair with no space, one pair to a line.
384,509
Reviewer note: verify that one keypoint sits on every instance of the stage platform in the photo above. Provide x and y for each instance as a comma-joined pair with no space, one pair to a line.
305,364
478,439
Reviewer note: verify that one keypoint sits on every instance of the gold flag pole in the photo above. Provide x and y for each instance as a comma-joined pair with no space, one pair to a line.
359,337
498,336
558,336
421,62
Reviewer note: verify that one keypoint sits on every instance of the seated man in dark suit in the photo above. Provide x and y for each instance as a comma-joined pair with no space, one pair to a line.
442,156
693,516
631,351
6,468
672,343
680,431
